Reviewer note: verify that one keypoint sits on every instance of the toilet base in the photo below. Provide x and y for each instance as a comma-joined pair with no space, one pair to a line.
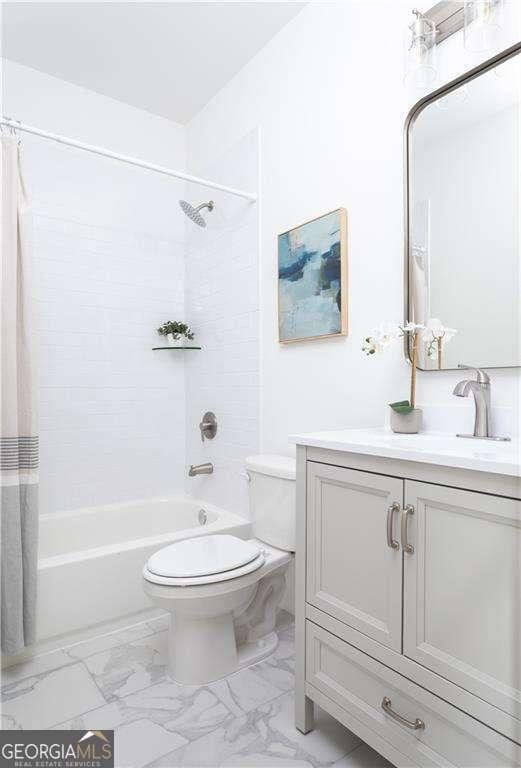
201,650
251,653
203,654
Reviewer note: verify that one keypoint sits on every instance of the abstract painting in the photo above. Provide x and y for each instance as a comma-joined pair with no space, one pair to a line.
313,279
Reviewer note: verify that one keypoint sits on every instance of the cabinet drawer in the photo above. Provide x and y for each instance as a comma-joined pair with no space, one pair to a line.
359,684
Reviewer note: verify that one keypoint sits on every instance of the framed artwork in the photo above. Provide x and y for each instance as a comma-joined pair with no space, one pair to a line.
312,279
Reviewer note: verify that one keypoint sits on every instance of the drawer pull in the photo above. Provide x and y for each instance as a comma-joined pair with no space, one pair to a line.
409,510
392,543
415,725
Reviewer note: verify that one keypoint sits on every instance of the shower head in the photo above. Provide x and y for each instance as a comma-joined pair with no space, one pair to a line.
193,213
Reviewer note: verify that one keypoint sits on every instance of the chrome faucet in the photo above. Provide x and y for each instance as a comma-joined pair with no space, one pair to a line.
200,469
480,388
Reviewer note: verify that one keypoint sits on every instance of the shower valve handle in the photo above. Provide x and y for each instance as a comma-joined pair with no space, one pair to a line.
208,426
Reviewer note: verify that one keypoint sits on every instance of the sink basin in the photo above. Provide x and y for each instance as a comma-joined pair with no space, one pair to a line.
429,447
434,441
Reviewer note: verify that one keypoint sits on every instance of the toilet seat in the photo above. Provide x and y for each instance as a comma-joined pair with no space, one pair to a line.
203,560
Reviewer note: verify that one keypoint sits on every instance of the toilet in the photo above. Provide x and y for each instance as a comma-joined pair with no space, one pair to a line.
222,592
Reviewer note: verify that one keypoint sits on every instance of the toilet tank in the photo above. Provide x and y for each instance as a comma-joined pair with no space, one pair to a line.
272,499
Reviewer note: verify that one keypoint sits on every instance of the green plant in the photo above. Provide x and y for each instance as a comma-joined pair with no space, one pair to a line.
176,329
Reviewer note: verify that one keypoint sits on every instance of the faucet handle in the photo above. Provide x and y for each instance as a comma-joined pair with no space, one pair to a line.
482,376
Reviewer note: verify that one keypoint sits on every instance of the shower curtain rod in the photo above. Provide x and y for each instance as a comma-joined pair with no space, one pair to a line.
18,126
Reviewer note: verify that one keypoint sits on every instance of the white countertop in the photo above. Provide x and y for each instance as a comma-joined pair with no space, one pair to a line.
503,458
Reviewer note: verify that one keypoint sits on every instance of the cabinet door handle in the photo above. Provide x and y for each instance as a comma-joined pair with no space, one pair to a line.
415,725
409,510
392,543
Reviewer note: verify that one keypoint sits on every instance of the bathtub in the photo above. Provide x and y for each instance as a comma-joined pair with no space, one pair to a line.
90,560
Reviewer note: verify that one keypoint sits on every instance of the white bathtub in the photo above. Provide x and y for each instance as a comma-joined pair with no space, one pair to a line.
90,560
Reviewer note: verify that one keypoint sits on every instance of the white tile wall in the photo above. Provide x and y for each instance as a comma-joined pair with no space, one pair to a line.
109,269
113,257
222,302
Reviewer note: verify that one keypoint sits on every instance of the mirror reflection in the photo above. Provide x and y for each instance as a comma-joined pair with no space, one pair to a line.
464,202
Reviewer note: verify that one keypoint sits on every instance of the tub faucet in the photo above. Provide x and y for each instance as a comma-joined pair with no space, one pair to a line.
200,469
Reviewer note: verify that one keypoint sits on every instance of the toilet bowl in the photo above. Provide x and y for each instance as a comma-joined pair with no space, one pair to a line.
222,592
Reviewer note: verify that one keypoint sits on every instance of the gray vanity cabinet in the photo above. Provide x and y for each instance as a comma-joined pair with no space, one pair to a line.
409,608
462,590
352,573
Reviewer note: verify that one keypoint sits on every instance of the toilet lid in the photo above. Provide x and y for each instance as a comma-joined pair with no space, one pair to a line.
202,556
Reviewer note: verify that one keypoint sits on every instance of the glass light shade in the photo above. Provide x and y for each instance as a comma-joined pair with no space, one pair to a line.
420,64
483,25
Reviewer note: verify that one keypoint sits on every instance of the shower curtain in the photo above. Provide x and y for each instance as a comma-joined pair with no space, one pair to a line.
18,425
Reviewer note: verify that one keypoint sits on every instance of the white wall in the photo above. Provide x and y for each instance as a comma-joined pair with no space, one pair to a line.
61,107
222,302
109,257
328,96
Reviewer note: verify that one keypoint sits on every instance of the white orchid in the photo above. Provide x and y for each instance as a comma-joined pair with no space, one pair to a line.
412,328
380,338
439,331
383,336
437,334
369,345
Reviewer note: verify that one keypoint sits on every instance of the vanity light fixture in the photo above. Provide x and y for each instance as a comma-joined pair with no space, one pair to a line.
421,52
481,20
482,24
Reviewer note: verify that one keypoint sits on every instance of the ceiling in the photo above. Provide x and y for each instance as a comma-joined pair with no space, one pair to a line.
166,58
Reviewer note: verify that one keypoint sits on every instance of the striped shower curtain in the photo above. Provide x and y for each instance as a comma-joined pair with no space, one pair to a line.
18,425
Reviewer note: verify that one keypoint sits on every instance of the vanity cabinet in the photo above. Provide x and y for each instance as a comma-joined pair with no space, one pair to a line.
352,573
462,590
409,608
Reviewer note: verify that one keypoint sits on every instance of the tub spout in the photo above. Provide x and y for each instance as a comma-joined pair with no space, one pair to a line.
200,469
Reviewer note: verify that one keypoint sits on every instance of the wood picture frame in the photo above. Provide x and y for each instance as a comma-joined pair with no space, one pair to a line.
312,280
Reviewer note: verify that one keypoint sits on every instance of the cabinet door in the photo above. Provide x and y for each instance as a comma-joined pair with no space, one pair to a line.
462,590
353,572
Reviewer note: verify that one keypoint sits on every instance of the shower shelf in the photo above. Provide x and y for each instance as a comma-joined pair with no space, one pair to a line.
155,349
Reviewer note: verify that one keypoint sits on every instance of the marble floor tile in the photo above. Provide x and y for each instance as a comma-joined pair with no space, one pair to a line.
35,666
136,741
191,712
160,623
265,737
43,700
129,668
277,672
245,690
8,724
69,654
86,648
285,650
119,681
363,757
136,736
110,640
